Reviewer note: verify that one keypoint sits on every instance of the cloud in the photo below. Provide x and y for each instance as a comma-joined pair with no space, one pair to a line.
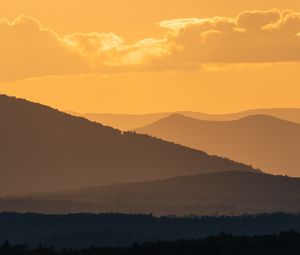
29,50
181,23
252,37
255,20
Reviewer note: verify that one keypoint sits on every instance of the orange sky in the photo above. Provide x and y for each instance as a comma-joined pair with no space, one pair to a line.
143,57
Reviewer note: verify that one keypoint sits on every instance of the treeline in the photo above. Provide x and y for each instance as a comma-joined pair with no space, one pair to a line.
287,243
121,230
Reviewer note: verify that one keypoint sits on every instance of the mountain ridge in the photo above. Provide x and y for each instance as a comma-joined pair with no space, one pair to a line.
202,194
134,121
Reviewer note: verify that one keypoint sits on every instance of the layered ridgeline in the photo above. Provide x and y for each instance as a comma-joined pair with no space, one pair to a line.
223,193
263,141
134,121
42,149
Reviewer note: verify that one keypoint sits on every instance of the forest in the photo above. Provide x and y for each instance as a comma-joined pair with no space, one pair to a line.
79,231
287,243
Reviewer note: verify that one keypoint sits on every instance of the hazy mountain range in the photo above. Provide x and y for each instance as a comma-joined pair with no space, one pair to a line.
43,149
134,121
264,141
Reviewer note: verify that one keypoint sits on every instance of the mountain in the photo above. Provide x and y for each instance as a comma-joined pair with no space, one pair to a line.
203,194
263,141
132,121
42,149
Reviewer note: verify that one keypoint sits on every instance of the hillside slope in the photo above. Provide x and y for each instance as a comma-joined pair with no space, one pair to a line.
42,149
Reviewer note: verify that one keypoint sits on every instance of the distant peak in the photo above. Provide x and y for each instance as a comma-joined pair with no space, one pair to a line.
176,115
179,116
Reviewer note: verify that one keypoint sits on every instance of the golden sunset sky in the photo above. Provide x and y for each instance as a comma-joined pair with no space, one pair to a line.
140,56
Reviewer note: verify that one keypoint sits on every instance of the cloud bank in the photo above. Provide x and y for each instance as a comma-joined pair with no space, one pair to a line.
27,49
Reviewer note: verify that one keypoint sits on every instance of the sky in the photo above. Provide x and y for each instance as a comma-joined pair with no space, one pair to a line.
139,56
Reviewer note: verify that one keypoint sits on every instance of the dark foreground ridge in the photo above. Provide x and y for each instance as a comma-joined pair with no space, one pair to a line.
79,231
285,243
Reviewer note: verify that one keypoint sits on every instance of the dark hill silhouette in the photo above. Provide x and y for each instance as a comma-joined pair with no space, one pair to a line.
225,193
42,149
260,140
134,121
